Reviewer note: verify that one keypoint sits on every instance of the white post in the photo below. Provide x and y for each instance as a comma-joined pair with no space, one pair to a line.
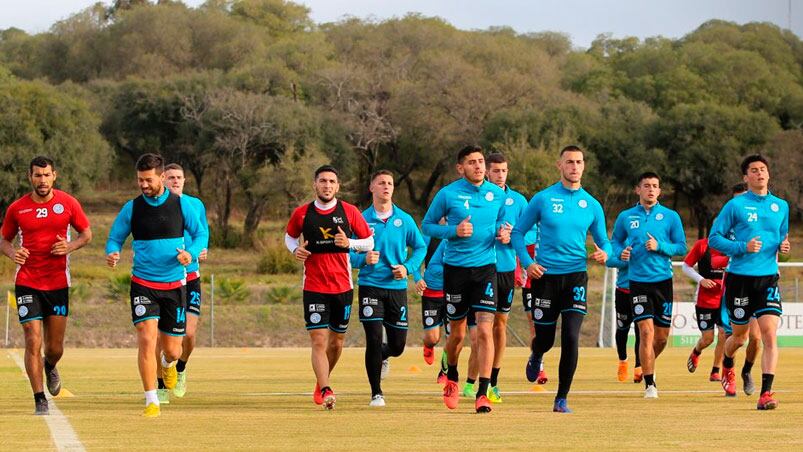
212,309
600,339
614,278
8,313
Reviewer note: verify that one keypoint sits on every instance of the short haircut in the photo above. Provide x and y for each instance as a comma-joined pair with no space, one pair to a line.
147,162
382,172
496,157
470,149
174,166
752,159
572,148
326,169
741,187
647,175
42,162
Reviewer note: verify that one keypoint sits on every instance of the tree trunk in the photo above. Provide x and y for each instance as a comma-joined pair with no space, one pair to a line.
256,207
224,209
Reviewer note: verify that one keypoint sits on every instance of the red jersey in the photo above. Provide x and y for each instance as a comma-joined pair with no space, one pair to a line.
527,281
38,225
711,265
328,272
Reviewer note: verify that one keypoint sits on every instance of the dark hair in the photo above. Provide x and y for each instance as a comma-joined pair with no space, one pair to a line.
174,166
326,169
147,162
741,187
470,149
496,157
572,148
42,162
647,175
382,172
752,159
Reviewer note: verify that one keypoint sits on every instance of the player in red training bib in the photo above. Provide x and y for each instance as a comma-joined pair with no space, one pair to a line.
42,220
327,225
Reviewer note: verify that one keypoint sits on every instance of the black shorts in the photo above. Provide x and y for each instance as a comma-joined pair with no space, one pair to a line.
751,296
469,289
35,304
505,285
707,318
194,297
383,305
527,298
554,294
324,310
433,312
652,301
624,313
166,306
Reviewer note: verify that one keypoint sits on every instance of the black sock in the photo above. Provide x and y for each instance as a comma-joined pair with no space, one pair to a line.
495,376
181,365
766,382
470,381
451,373
696,353
37,396
649,380
715,370
483,389
748,366
48,366
373,355
727,362
161,383
569,351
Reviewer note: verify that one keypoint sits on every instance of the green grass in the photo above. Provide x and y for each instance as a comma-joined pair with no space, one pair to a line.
259,399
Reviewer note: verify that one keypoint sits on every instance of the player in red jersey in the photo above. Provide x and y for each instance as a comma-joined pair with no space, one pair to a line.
42,220
327,225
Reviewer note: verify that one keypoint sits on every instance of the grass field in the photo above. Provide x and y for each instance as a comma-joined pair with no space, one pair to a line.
260,399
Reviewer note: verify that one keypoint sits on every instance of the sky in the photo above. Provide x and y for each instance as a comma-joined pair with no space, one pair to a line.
582,20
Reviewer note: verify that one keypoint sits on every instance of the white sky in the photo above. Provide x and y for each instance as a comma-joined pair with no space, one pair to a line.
583,20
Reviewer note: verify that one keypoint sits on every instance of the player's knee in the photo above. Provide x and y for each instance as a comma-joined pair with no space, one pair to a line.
33,342
54,352
706,340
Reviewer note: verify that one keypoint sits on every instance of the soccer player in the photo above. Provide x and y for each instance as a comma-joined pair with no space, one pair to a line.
760,224
647,236
42,219
326,224
433,304
565,213
708,276
537,375
174,175
157,221
475,210
383,279
624,318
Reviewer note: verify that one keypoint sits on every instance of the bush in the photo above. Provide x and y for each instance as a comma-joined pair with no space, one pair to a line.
119,285
277,260
233,291
283,295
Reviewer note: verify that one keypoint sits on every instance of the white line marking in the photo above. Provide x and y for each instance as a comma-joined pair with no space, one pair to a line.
64,437
430,393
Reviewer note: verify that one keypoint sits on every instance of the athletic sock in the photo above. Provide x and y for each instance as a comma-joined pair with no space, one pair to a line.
696,353
161,383
483,389
451,373
715,370
766,382
48,366
181,365
151,397
649,380
727,362
470,381
495,376
748,366
37,396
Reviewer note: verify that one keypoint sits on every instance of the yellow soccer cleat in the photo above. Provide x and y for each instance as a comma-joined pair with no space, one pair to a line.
170,375
181,385
152,410
493,394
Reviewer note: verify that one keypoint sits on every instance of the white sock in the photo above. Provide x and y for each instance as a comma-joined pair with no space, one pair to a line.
541,367
166,364
151,397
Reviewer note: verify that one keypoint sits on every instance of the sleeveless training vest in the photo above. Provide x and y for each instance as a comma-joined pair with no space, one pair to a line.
165,221
320,229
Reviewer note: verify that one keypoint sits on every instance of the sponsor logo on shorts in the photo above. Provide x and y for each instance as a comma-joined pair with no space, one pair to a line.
582,203
370,301
58,209
317,308
703,324
639,309
774,207
450,308
23,311
738,313
640,299
25,299
538,314
454,298
487,302
579,306
489,196
430,312
139,300
705,316
620,323
659,217
429,321
543,303
621,316
139,311
774,304
741,301
397,222
367,311
315,318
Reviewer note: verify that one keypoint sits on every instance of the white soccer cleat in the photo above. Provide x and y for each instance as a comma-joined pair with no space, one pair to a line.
651,392
385,369
377,401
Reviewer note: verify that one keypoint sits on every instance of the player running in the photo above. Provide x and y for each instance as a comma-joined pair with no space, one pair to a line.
157,220
624,318
759,222
433,304
383,279
647,236
475,211
326,224
565,213
42,219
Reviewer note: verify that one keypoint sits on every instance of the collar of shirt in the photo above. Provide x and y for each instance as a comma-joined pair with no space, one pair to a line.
328,206
157,200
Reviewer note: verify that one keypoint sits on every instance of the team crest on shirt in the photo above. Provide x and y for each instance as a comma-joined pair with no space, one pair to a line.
659,217
58,208
489,196
397,222
582,203
509,202
774,207
23,311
